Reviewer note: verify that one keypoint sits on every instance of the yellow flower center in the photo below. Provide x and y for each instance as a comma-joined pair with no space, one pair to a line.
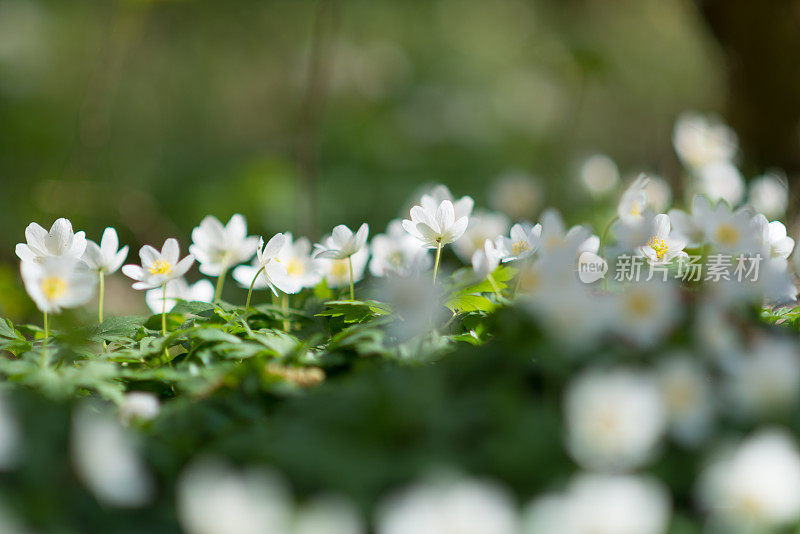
639,304
659,246
295,267
727,234
160,267
54,287
519,247
340,268
636,210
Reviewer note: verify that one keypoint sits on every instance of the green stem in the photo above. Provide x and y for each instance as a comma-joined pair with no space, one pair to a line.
285,307
102,292
44,341
436,264
352,284
253,283
602,249
220,284
164,310
494,286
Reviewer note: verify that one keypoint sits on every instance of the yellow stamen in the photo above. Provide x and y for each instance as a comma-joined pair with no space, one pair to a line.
636,210
659,246
295,267
160,267
54,287
727,234
519,247
340,268
639,304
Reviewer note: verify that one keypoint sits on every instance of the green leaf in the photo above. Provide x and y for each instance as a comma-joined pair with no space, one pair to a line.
355,311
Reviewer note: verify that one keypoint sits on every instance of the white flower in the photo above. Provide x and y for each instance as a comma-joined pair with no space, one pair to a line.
158,268
449,507
337,272
396,252
301,269
214,499
105,457
775,245
218,247
431,201
633,202
485,260
58,283
522,242
700,140
415,302
646,311
730,231
691,227
615,419
60,241
769,194
435,226
106,257
755,486
662,247
602,504
179,289
686,389
555,237
659,193
482,225
721,181
342,243
292,269
516,193
139,406
599,174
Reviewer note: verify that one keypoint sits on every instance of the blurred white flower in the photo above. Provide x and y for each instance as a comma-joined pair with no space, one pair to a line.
517,194
328,515
700,140
214,499
769,194
106,459
342,243
646,311
721,181
775,245
522,242
486,260
396,252
415,303
633,202
139,406
106,257
58,282
179,289
755,486
599,174
602,504
686,389
691,227
158,268
337,272
663,246
555,237
730,231
300,266
435,226
634,234
219,247
448,507
59,242
482,225
614,419
431,201
659,193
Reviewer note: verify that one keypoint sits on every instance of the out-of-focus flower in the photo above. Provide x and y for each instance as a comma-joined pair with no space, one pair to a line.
106,257
58,282
721,181
300,266
634,234
775,245
755,486
522,242
646,311
342,243
449,507
485,260
178,289
328,515
218,247
396,252
633,202
691,227
59,242
431,201
615,419
599,174
659,193
554,235
663,247
686,390
730,231
415,303
435,226
214,499
517,194
337,272
602,504
483,225
701,140
139,406
769,194
106,459
158,268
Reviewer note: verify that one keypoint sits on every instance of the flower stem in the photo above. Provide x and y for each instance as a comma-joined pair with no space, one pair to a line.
285,307
220,284
102,292
253,283
494,286
164,310
44,341
602,249
436,264
352,290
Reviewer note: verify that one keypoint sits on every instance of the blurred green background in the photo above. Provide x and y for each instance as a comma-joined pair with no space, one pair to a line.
148,115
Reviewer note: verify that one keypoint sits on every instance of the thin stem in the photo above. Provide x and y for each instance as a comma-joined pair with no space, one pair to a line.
220,284
352,290
523,266
285,307
102,292
44,341
494,286
603,245
436,264
164,309
253,283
